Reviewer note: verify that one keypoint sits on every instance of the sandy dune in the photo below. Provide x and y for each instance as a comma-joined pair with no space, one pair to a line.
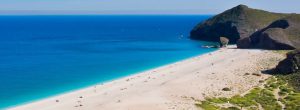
173,86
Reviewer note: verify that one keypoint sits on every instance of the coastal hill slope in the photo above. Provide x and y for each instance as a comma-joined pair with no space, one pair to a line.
283,34
238,22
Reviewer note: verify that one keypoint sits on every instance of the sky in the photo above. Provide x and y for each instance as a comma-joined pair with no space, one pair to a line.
140,6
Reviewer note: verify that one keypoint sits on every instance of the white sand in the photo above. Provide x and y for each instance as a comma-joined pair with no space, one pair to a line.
172,86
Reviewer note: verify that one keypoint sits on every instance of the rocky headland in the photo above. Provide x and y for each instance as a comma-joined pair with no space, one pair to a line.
251,28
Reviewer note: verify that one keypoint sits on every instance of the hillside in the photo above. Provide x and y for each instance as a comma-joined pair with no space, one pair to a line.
282,34
238,22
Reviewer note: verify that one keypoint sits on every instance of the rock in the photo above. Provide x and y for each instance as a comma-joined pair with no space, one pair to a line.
237,23
247,73
226,89
244,43
261,81
283,34
256,74
291,64
224,41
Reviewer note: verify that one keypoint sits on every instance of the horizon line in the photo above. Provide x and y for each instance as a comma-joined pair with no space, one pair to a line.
91,12
105,14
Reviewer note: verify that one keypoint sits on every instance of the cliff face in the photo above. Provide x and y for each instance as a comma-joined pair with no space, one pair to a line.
281,34
238,22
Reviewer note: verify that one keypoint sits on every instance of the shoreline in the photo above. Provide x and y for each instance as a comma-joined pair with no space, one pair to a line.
103,82
157,88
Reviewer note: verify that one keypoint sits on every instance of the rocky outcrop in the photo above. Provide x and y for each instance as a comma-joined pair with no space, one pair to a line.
252,28
236,23
224,41
283,34
291,64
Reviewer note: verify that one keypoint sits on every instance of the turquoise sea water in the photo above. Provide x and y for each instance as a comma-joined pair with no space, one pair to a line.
42,56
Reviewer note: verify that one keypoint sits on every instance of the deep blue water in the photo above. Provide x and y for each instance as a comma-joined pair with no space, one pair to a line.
42,56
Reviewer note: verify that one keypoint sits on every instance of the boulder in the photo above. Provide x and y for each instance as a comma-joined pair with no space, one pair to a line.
224,42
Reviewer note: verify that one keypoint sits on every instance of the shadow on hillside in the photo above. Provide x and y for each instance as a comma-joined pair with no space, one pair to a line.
272,71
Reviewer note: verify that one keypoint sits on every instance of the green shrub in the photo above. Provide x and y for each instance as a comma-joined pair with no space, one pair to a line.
230,108
292,106
281,81
280,93
274,85
206,105
242,101
285,89
267,100
220,100
253,108
294,81
293,98
254,93
271,80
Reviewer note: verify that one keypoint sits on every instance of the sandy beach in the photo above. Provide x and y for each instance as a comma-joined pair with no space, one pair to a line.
175,86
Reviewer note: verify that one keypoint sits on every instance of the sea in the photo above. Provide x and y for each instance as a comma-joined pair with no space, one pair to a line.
46,55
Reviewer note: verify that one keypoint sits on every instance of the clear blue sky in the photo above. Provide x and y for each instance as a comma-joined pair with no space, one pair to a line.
140,6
